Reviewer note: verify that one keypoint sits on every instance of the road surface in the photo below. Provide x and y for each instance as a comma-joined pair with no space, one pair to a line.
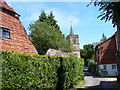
97,83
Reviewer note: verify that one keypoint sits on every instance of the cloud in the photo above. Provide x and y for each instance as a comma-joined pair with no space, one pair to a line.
31,18
64,19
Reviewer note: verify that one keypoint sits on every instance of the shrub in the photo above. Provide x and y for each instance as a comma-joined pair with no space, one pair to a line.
91,66
20,71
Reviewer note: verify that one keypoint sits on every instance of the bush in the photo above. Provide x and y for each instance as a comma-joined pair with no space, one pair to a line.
91,66
20,71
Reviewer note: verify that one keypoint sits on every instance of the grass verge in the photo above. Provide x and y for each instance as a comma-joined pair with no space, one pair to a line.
80,84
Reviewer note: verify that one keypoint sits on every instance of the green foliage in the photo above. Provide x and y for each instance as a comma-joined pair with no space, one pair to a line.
86,52
49,19
20,71
43,16
92,66
72,72
103,37
104,72
110,11
91,62
45,34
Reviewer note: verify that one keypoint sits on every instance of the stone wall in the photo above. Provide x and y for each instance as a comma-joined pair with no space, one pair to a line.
53,52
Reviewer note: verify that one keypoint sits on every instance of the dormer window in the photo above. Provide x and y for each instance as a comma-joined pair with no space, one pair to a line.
5,33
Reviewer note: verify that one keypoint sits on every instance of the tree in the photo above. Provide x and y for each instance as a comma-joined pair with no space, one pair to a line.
110,11
87,52
45,35
103,37
43,16
49,19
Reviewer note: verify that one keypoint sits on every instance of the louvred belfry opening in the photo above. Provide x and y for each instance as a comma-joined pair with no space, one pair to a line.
13,36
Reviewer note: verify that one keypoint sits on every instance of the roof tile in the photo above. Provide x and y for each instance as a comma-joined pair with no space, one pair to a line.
4,5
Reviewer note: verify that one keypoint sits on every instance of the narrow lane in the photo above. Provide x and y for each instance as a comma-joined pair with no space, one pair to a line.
97,83
90,81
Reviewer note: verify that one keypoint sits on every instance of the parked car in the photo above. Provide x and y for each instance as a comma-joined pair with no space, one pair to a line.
85,69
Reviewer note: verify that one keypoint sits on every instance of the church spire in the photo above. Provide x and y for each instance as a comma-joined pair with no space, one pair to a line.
71,31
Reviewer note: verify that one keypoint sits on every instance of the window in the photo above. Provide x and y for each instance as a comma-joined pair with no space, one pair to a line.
75,54
5,33
113,66
74,40
104,67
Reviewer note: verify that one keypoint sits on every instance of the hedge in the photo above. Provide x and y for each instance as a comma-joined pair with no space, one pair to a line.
20,71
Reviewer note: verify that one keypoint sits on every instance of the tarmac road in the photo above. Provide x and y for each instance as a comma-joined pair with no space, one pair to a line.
97,83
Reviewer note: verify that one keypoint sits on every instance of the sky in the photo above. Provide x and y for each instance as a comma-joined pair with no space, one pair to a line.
83,19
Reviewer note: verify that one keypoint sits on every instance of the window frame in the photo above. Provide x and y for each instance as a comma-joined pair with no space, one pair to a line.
74,41
113,66
5,33
104,67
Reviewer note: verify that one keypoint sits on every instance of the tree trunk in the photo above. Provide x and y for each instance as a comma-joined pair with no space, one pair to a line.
118,52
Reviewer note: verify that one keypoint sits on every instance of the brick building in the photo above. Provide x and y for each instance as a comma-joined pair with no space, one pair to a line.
105,58
13,36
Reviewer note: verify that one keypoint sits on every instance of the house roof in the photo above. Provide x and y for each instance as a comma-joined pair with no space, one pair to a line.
4,5
105,40
95,44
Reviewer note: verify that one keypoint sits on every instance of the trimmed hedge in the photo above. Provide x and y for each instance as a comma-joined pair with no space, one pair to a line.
20,71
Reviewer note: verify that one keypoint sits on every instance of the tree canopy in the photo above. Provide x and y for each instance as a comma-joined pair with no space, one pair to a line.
103,37
110,10
87,52
45,34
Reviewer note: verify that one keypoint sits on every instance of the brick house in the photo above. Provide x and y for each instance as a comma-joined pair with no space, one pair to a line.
13,36
105,58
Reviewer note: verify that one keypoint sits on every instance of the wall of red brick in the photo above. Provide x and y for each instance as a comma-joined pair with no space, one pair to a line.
107,51
19,40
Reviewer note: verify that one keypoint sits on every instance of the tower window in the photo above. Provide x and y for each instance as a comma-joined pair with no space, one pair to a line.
74,41
5,33
75,54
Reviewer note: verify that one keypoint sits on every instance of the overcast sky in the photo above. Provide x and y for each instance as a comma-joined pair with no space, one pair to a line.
84,19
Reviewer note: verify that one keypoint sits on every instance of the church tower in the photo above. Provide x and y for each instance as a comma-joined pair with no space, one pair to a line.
74,41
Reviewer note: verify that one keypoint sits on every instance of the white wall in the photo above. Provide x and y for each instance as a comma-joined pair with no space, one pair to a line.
110,71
